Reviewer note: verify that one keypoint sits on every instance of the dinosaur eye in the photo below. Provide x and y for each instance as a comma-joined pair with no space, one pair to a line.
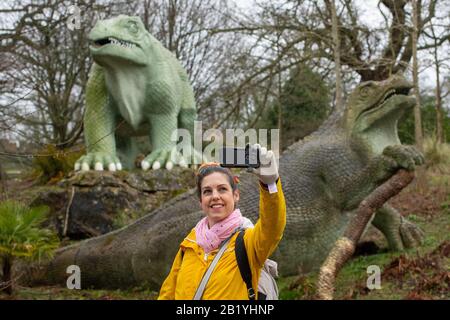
365,91
132,27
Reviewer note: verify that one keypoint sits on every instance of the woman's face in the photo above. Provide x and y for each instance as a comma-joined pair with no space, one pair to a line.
217,197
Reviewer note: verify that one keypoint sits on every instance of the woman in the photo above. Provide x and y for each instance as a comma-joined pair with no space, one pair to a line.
219,195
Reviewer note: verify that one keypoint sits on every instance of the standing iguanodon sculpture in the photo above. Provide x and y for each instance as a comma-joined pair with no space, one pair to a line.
136,88
325,177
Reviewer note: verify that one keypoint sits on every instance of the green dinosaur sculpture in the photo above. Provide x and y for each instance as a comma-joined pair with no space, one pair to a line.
136,87
324,178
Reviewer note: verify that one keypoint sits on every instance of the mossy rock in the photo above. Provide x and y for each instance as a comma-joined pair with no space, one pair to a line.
92,203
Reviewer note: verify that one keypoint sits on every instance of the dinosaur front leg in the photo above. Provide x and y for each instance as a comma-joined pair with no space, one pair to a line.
379,169
99,126
399,232
164,152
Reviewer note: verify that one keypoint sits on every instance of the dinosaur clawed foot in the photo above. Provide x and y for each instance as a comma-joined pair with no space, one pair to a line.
412,236
98,161
406,157
168,158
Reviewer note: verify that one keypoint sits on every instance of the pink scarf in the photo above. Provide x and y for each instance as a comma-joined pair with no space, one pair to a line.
210,239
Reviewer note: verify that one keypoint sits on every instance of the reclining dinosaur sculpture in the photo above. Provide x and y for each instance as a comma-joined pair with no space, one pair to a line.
325,177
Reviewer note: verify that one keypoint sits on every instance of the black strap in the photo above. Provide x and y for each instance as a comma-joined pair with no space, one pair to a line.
244,267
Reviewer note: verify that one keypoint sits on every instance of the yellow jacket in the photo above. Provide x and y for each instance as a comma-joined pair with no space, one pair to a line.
226,282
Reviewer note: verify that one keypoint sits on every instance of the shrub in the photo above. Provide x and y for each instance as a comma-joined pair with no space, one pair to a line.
22,238
55,164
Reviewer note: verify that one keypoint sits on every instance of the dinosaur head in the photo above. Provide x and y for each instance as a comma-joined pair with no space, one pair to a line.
121,39
374,108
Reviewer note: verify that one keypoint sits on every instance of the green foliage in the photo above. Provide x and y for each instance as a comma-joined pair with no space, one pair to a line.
304,102
56,164
428,113
20,234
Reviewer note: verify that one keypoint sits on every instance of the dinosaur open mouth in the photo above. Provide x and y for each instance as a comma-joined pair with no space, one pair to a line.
389,94
110,40
392,92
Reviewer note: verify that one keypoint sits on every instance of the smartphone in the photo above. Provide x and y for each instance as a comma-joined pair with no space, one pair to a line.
247,157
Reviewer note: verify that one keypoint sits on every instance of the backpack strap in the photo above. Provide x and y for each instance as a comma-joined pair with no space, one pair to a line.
202,286
244,266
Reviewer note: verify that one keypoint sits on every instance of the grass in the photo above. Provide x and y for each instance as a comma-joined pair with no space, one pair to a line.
436,154
58,293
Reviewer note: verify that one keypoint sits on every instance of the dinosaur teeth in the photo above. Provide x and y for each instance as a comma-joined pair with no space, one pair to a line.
121,43
388,94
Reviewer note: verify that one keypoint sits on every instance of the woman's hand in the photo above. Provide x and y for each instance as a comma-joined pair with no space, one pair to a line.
268,171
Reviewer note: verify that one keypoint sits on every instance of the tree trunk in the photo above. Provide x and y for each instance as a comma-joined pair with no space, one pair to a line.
7,284
146,13
439,121
421,181
280,107
337,54
418,134
172,17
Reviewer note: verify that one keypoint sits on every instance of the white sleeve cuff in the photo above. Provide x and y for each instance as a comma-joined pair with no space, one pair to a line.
272,187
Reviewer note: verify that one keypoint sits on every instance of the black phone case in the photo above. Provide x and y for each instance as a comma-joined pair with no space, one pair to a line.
246,164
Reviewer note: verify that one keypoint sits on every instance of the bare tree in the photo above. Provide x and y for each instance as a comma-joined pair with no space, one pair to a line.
437,62
372,52
48,69
284,34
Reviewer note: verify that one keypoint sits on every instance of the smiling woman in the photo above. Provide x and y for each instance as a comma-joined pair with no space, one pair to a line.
218,195
206,265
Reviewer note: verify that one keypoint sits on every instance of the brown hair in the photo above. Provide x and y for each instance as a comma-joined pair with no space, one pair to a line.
207,168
